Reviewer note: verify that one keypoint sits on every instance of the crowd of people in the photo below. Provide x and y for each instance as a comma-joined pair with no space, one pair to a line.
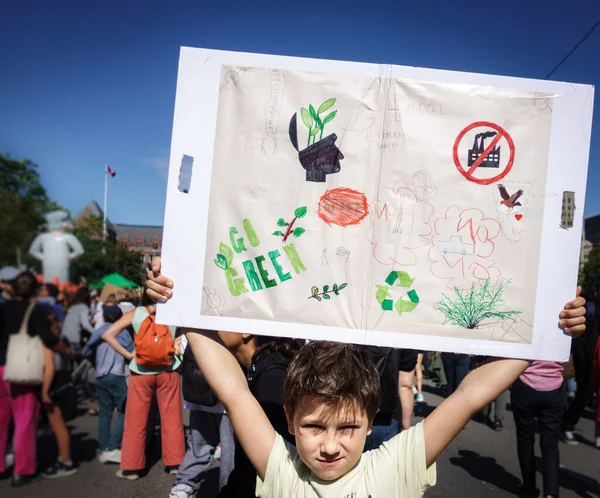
286,395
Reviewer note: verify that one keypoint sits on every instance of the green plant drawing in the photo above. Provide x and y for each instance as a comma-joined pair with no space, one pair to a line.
290,230
314,123
315,294
224,257
467,309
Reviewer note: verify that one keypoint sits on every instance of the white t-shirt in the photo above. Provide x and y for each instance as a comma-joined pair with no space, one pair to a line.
396,469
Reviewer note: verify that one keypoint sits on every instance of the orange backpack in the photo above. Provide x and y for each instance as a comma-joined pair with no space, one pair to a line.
154,344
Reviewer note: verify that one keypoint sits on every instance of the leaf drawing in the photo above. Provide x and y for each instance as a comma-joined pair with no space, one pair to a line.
290,230
226,251
325,294
325,106
221,262
313,113
300,212
306,118
329,117
298,231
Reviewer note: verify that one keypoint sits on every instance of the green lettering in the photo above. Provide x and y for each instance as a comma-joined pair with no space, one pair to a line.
278,268
292,254
252,276
236,287
264,273
237,244
251,233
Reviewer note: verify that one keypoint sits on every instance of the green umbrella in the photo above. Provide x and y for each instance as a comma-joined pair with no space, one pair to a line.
118,280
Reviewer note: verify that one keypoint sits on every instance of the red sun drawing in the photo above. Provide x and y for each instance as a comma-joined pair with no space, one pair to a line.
343,207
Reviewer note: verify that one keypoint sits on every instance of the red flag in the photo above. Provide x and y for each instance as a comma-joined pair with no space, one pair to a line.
110,171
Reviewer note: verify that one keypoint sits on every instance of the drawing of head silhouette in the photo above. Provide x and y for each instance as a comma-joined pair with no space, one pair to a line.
321,157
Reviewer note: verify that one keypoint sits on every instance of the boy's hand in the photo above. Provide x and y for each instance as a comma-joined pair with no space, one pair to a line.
572,317
158,287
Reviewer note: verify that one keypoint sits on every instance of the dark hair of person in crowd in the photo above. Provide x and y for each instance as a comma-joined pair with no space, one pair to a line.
51,289
81,296
286,347
339,374
25,285
111,313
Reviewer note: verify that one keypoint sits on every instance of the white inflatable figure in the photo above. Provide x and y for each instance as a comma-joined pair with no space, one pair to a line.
55,249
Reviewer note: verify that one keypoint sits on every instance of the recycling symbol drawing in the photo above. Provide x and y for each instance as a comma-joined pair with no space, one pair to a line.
404,304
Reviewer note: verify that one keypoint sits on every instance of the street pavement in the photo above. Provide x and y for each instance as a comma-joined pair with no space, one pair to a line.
479,463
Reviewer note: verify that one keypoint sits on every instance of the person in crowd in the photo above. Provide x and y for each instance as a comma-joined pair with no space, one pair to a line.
456,368
265,361
111,387
48,295
583,349
539,393
77,327
7,276
64,466
396,369
150,375
419,376
495,413
20,402
209,427
331,397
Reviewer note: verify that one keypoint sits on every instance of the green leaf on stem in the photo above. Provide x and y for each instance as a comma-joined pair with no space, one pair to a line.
342,286
298,231
314,290
306,118
278,233
300,212
325,288
329,117
326,105
281,222
314,131
326,296
313,113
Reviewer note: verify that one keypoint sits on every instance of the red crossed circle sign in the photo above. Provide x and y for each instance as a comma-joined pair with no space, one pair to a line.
469,173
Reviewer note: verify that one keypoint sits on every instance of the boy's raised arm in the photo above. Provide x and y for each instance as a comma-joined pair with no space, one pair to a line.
225,377
483,385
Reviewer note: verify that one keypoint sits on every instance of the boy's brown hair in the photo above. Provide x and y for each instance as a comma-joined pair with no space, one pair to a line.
336,372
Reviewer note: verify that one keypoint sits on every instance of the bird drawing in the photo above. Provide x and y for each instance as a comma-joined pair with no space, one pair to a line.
510,201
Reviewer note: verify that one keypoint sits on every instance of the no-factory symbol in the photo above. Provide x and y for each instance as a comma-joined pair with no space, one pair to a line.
485,155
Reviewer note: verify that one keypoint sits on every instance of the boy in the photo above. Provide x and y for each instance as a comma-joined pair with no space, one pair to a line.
331,398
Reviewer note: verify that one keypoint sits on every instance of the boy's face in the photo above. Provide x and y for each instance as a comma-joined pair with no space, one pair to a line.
330,440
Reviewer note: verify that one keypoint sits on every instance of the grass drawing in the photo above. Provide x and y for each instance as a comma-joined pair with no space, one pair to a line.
314,123
335,289
290,230
467,309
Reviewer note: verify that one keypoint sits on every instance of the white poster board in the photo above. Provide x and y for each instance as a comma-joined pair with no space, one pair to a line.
375,204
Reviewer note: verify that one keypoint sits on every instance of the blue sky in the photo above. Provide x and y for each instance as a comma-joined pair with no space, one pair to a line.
90,83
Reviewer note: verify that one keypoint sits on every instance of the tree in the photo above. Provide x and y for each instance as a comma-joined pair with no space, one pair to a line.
23,202
589,276
103,257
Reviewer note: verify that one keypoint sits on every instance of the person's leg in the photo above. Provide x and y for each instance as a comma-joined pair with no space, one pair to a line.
106,411
168,394
523,400
500,406
549,419
202,441
227,450
449,361
133,454
585,390
26,411
63,438
118,393
419,373
5,417
461,368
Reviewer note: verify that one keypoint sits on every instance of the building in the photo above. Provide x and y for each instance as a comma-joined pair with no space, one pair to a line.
592,229
143,238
